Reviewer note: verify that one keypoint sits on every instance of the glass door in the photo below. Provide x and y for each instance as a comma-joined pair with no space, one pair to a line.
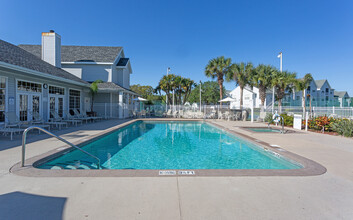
56,103
23,108
27,105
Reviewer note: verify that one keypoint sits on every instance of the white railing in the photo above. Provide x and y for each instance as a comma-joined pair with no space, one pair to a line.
341,112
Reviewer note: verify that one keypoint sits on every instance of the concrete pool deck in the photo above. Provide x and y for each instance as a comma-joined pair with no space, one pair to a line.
326,196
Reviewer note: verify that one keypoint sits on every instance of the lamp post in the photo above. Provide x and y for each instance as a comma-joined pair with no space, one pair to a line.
200,94
273,89
166,95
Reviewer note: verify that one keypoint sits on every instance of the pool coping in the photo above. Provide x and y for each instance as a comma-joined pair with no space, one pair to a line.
286,129
310,167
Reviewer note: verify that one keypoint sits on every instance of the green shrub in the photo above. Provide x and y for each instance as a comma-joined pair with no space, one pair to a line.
343,127
268,117
288,119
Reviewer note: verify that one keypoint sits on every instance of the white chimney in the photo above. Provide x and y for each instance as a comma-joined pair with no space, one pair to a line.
51,48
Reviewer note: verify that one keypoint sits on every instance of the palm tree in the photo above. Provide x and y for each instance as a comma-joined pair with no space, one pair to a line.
218,68
282,81
242,74
94,90
262,79
302,85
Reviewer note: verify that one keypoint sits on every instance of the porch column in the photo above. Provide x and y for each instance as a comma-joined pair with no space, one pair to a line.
121,104
111,105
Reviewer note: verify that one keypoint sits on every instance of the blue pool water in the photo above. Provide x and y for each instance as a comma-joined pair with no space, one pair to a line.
171,145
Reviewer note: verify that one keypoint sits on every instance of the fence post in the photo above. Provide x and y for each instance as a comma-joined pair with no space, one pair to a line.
252,114
306,121
333,109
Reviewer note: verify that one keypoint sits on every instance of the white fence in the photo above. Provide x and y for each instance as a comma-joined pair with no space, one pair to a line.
113,110
340,112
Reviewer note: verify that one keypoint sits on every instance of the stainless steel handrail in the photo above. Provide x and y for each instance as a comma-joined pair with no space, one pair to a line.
282,122
24,137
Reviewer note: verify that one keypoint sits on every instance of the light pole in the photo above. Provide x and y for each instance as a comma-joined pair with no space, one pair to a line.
200,94
166,95
273,89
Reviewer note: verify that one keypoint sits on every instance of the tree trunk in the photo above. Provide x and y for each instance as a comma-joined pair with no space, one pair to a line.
241,97
92,103
280,105
262,93
220,91
304,104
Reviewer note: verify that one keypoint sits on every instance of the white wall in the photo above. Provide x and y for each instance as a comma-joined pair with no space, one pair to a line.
89,72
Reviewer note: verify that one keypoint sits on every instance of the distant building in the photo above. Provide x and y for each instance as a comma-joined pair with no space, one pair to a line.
319,92
251,97
343,98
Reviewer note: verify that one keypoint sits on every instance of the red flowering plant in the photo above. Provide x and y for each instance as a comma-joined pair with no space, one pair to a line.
322,123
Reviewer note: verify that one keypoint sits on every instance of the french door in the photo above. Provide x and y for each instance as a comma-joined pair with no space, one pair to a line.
56,103
28,104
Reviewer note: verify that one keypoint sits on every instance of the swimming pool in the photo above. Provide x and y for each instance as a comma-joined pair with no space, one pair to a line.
163,145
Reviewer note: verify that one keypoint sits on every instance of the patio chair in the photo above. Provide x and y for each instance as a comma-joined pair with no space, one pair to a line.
56,120
39,121
175,114
77,115
169,113
70,119
143,113
181,113
12,121
94,118
11,131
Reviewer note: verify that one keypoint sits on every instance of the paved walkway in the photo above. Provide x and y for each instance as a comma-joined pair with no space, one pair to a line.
328,196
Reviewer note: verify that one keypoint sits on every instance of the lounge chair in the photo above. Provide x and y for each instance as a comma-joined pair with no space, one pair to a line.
72,120
11,131
77,115
12,121
56,120
39,121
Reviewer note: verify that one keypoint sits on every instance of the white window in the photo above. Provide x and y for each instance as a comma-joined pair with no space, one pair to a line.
75,100
29,86
56,90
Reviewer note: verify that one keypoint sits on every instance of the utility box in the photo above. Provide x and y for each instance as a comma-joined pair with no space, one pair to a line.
297,122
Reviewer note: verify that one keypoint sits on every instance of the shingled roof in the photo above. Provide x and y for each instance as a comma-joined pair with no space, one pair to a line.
112,86
79,53
340,94
14,55
320,83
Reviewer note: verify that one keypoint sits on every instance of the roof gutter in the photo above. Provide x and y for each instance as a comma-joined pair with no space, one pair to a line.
79,62
37,73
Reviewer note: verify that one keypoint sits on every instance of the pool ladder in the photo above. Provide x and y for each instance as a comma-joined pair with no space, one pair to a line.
24,137
282,122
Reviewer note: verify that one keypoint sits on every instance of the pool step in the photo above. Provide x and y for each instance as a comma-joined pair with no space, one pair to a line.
72,165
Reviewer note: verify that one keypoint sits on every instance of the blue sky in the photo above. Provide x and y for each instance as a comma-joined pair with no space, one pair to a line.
315,36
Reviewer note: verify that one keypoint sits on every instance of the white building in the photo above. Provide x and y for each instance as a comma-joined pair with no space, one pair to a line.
343,98
319,91
251,97
51,77
91,63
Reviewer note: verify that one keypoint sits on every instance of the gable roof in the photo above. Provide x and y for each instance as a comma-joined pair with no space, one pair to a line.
340,94
113,86
320,83
79,53
14,55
